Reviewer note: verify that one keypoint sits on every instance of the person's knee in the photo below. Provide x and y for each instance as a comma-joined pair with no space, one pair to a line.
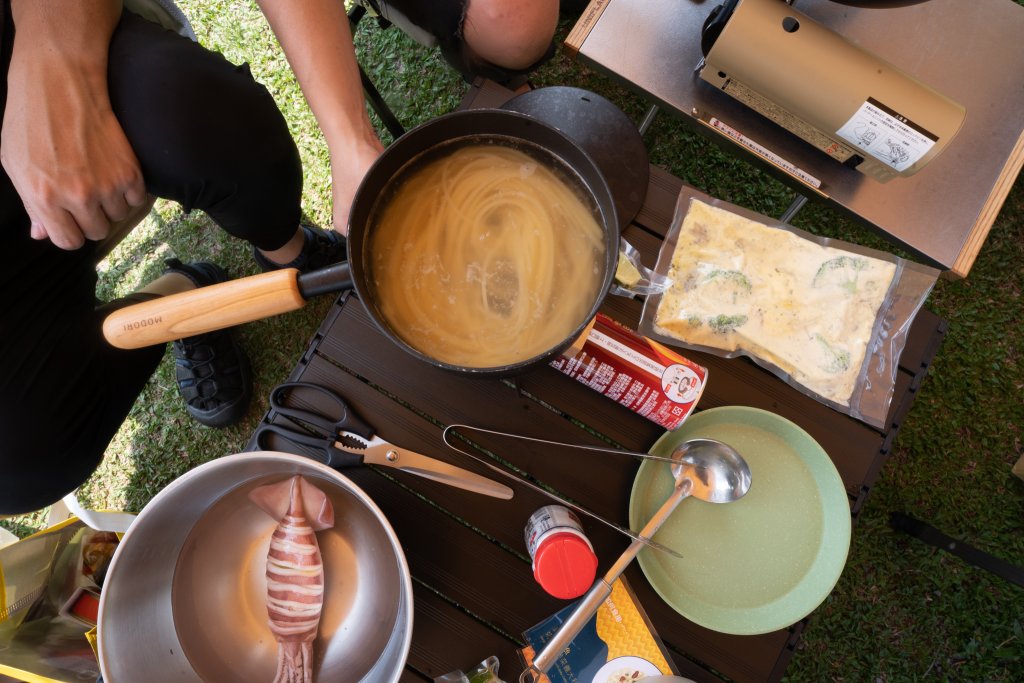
206,133
512,34
215,123
38,474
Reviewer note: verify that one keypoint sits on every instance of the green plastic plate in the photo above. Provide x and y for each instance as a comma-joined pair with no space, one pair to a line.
763,562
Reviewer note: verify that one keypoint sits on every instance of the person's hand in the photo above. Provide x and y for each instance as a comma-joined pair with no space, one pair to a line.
347,171
64,149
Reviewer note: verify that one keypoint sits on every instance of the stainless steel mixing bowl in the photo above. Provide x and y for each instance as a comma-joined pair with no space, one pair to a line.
185,597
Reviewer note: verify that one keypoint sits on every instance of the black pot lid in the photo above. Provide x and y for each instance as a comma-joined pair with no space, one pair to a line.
603,131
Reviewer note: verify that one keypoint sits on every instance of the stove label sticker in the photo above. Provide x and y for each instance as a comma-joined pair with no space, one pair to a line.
886,135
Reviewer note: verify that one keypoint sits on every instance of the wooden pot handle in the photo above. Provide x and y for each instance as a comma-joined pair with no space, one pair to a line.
206,309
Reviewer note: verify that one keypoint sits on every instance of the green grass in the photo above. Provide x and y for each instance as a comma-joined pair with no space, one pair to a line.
902,611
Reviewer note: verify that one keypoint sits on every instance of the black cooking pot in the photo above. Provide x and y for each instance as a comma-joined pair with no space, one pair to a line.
259,296
526,134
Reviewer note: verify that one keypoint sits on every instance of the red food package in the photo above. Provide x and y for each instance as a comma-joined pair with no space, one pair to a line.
639,373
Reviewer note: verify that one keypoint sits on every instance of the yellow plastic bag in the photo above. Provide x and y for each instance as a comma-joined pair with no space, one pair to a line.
41,639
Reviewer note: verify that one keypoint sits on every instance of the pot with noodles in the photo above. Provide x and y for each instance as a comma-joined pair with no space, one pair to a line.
489,243
482,241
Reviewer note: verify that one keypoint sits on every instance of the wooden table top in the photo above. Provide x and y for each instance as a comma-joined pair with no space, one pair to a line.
474,593
968,51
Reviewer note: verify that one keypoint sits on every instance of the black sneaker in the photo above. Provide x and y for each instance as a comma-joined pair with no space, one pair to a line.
211,369
322,248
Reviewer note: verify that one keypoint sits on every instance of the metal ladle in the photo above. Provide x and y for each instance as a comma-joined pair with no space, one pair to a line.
706,469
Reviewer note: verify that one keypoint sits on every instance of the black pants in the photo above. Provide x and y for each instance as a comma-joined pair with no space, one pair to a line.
206,135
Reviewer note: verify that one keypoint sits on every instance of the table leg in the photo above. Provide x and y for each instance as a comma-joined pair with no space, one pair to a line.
794,207
648,119
966,552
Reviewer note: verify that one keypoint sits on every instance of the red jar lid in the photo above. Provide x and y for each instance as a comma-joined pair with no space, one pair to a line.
565,565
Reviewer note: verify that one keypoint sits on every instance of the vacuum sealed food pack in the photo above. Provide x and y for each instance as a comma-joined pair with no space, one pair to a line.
828,317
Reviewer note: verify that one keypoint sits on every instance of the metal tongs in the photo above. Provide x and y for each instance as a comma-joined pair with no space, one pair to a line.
452,429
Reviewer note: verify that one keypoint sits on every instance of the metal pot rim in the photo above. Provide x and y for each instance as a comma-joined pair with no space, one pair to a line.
378,179
401,635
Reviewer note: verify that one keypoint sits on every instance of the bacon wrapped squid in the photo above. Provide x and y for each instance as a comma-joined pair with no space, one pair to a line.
295,576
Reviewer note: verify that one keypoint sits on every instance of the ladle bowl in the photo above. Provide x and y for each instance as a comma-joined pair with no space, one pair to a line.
718,474
703,468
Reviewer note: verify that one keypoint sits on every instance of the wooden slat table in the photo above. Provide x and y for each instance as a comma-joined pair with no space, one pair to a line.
969,51
474,592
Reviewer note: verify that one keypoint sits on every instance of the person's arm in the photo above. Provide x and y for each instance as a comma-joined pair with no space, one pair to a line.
61,145
317,41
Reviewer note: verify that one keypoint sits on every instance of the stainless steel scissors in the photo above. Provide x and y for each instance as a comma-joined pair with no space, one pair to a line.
348,441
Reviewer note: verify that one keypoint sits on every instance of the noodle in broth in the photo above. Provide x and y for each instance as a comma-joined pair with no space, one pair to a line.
485,258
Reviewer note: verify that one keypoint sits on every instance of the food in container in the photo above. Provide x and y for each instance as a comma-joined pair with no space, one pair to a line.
808,309
259,296
185,597
485,255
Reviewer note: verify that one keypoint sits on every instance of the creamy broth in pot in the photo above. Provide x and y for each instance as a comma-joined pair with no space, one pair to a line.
485,256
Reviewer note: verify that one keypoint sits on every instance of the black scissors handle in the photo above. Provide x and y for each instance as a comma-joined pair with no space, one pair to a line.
323,446
347,419
327,427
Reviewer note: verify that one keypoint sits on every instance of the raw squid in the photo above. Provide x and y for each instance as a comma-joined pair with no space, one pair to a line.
295,576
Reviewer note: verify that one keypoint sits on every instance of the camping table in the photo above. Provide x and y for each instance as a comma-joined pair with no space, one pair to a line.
969,51
474,593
